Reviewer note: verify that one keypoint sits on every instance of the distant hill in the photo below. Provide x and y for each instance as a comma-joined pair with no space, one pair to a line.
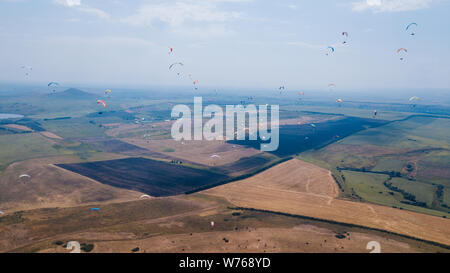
73,93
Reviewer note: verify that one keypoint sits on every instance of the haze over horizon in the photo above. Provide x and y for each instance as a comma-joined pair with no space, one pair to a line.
227,43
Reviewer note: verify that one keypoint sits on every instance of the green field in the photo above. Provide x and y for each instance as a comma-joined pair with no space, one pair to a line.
18,147
413,154
370,188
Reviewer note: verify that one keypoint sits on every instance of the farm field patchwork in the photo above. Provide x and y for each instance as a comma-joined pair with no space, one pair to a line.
156,178
282,189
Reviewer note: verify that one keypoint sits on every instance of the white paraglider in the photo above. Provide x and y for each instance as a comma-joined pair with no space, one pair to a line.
374,246
74,246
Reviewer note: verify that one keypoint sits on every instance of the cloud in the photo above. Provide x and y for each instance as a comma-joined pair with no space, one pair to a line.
69,3
292,6
210,31
390,5
176,14
83,8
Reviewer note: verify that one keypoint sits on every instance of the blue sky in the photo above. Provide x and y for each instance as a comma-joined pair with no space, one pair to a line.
227,43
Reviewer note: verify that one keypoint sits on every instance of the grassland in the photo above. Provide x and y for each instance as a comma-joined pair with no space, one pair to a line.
17,147
182,224
374,162
403,153
282,189
50,186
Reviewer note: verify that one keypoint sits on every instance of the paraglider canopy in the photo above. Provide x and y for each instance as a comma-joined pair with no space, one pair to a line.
53,85
102,102
339,100
402,51
172,65
107,91
145,196
24,175
345,34
330,50
411,28
27,69
95,209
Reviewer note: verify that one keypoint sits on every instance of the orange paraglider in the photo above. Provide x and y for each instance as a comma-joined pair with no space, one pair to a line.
102,102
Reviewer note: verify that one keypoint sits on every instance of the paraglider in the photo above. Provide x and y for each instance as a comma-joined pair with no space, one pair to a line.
345,34
331,86
301,93
214,158
330,50
24,175
170,50
27,69
53,85
339,101
195,83
374,113
414,98
74,246
175,64
402,51
411,28
102,102
172,65
145,196
107,91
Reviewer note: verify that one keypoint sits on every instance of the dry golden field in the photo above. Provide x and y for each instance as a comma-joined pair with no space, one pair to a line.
196,151
300,188
51,186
